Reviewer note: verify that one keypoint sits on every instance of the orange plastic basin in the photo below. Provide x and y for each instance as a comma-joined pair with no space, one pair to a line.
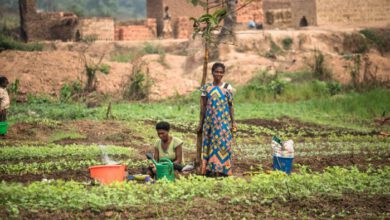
107,174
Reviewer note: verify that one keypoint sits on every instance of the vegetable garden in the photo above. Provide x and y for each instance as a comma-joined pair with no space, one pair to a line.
341,168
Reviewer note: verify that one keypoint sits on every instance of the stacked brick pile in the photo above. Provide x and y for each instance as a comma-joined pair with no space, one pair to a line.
252,11
151,23
102,28
183,28
137,32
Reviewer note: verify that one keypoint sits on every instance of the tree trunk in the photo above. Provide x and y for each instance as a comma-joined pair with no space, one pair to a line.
22,13
198,160
230,20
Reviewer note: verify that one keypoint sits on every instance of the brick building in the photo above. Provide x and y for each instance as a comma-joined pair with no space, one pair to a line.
46,26
344,13
271,13
101,28
182,10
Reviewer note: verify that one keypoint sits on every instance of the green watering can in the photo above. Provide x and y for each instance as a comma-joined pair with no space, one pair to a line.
3,127
164,168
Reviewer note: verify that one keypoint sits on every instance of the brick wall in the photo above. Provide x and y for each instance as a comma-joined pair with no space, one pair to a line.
303,8
182,28
277,13
145,31
353,12
102,28
177,8
253,11
46,26
154,9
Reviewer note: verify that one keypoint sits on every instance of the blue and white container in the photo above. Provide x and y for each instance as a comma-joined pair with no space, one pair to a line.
283,154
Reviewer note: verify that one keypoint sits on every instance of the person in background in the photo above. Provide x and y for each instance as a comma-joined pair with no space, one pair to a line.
4,100
217,124
167,26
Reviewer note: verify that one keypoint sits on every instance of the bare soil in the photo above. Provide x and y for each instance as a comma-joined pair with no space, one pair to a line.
179,69
93,132
306,129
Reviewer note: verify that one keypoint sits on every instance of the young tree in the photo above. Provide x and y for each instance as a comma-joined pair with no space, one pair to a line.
205,25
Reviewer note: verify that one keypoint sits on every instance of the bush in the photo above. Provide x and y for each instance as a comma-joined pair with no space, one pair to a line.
379,37
287,42
138,87
65,93
152,49
276,87
68,92
318,68
334,88
105,68
7,43
355,43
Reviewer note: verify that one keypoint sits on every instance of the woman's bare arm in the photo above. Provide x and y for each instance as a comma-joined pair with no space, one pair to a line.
179,154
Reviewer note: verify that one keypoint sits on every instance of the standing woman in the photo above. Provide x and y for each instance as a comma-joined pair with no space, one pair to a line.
217,123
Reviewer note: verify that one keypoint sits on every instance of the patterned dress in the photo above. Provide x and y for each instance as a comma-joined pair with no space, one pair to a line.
217,137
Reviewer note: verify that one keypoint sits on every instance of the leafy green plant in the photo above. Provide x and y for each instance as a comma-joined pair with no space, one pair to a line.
138,87
318,67
91,70
379,37
105,68
14,87
334,88
276,87
208,23
152,49
65,93
54,151
287,42
61,195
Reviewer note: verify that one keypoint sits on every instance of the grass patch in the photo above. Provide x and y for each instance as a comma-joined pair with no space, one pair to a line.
60,135
350,110
7,43
125,55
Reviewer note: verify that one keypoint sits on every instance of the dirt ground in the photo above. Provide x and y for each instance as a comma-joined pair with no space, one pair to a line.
60,63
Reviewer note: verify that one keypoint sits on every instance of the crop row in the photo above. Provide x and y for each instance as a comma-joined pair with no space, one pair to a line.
262,188
263,151
60,165
57,151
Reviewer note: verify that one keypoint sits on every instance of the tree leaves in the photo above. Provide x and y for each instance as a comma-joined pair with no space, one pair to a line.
207,23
